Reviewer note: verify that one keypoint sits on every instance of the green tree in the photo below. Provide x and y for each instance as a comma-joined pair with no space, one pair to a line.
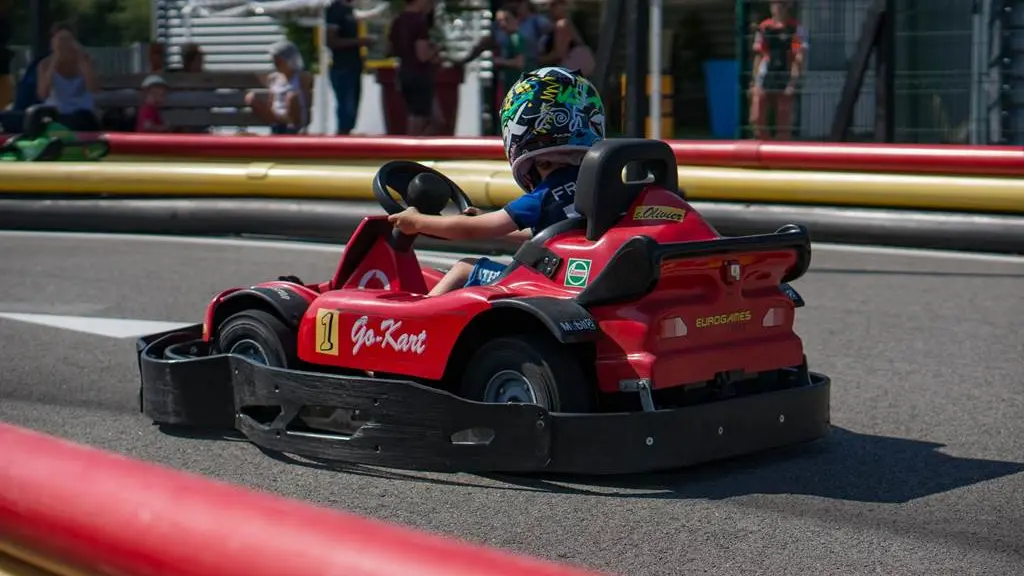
96,22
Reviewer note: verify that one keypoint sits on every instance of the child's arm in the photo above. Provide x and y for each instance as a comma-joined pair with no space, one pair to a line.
458,227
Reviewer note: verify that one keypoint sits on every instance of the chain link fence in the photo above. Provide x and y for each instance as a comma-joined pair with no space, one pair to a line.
943,88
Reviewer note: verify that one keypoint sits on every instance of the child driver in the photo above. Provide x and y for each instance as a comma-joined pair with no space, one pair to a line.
549,119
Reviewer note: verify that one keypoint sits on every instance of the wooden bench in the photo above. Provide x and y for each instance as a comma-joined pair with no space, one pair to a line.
196,100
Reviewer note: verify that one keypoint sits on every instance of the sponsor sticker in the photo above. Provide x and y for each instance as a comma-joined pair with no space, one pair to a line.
669,213
374,275
387,334
577,272
578,325
738,317
327,331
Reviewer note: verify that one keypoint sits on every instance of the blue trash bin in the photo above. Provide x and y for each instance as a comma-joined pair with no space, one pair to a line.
722,81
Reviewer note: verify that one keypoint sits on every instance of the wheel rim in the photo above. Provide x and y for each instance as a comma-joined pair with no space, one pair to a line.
509,387
251,350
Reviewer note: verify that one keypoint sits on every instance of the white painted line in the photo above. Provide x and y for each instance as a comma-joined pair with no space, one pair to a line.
109,327
446,255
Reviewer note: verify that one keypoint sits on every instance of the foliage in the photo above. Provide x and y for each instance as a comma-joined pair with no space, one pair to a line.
304,39
96,22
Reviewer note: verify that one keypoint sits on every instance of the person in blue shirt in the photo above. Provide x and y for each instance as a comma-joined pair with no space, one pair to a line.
549,119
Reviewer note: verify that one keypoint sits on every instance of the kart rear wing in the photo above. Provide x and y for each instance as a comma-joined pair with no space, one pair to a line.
635,268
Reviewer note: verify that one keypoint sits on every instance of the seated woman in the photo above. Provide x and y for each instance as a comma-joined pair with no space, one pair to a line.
286,107
66,81
564,46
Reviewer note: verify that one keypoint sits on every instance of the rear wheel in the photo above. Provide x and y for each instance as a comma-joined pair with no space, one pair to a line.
529,370
258,336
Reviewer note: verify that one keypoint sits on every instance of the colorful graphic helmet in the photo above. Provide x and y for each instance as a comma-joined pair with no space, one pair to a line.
550,113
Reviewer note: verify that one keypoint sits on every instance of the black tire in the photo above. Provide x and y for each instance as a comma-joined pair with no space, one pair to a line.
277,341
558,381
37,118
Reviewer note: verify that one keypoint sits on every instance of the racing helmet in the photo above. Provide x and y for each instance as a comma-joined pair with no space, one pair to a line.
550,113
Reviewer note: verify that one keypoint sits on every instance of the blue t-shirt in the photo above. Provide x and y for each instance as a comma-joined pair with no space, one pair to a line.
552,201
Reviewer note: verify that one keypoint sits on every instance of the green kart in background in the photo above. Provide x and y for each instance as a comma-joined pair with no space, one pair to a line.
47,140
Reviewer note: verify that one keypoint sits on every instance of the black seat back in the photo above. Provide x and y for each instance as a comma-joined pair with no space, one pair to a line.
603,195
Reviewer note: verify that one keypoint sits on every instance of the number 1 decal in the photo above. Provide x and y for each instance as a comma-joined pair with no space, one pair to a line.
327,331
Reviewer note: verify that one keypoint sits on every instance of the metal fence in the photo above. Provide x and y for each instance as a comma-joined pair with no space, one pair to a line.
944,91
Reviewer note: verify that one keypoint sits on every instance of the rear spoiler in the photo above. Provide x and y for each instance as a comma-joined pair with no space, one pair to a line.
634,269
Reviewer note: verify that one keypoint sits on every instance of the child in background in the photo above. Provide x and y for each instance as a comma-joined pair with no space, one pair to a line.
154,92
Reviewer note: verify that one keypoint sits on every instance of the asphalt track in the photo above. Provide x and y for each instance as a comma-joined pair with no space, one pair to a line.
923,474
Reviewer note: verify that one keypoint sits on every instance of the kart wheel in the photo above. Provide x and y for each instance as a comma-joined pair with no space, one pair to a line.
530,370
258,336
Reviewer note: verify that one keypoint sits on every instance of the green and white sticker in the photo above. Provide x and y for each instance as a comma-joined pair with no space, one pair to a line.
577,272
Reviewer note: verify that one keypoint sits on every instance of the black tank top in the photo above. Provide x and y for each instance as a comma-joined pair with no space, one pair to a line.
548,43
778,41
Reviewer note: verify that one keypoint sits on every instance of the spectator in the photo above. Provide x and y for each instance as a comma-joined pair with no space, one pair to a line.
564,46
409,40
530,27
511,58
287,108
6,78
149,118
191,58
66,80
779,47
346,62
157,57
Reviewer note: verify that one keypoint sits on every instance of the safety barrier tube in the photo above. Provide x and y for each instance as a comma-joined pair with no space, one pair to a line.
491,184
852,157
101,513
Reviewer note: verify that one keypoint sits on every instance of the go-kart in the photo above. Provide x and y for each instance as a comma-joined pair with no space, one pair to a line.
47,140
631,338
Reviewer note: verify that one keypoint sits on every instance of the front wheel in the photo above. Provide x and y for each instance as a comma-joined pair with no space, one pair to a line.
258,336
528,370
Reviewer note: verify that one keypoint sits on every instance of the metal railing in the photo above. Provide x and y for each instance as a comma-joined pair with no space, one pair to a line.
942,87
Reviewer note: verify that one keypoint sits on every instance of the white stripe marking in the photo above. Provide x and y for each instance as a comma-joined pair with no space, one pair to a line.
109,327
427,254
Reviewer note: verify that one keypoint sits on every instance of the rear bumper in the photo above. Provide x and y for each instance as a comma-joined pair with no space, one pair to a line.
407,425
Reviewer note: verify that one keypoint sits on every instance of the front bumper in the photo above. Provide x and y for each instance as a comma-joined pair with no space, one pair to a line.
408,425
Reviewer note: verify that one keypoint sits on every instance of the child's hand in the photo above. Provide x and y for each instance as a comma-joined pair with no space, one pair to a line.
406,221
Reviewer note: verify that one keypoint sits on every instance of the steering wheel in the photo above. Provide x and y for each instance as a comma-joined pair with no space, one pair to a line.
420,187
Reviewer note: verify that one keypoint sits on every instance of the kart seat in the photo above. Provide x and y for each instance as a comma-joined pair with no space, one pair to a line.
603,194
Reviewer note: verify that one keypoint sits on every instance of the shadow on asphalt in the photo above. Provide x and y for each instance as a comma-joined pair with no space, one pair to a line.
844,466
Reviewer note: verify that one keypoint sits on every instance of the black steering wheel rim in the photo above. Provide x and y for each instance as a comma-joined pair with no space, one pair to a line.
398,174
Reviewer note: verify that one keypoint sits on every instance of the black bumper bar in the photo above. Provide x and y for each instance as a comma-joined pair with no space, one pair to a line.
408,425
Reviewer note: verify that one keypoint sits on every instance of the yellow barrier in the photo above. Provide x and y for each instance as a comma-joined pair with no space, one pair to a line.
16,560
489,184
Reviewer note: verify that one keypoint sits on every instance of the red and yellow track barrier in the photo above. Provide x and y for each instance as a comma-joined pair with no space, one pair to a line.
489,184
84,511
890,158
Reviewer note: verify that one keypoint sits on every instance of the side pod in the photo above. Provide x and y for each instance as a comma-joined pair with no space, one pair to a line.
568,322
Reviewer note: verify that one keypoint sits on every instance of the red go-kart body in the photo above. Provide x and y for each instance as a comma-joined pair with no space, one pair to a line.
704,316
636,306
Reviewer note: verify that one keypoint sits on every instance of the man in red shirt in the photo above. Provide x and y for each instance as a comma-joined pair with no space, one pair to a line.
779,47
409,40
154,92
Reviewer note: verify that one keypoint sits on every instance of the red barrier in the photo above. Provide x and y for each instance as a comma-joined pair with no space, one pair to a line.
108,513
955,160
